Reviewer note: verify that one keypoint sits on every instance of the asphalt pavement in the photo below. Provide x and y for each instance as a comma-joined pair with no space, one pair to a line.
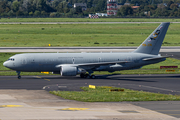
164,83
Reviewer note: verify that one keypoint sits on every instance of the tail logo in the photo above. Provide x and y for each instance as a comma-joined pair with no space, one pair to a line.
155,35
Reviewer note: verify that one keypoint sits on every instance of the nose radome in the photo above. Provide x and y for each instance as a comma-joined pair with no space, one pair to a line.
5,64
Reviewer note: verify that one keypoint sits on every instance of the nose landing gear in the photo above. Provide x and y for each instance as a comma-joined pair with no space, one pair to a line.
18,73
19,77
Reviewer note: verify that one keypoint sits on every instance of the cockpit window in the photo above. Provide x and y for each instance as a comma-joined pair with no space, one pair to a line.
11,59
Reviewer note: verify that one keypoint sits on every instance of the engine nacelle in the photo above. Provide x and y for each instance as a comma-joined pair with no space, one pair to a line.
68,71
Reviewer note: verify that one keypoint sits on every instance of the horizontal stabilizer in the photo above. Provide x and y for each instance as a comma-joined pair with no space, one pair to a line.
156,58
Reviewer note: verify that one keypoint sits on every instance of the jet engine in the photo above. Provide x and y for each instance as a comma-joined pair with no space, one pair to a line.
68,71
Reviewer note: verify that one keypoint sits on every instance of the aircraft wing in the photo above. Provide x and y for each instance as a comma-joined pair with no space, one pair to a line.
95,64
156,58
102,63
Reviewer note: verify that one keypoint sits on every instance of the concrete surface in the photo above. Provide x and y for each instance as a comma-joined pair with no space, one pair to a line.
39,104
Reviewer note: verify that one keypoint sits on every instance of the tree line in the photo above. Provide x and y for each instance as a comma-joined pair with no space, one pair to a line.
64,8
152,8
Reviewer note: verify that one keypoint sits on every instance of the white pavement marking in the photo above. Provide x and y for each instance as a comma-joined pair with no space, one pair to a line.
159,88
152,87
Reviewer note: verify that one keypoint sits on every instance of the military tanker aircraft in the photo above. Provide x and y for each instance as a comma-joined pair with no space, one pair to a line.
72,64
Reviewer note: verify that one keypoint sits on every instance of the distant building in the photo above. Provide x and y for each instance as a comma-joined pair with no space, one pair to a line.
83,5
102,14
134,7
93,16
147,13
111,7
126,3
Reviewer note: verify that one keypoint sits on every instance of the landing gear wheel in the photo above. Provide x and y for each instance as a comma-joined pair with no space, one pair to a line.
19,77
18,73
88,77
82,75
93,76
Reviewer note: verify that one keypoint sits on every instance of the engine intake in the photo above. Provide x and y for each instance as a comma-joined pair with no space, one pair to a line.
68,71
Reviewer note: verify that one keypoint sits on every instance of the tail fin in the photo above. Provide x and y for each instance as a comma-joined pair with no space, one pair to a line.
153,43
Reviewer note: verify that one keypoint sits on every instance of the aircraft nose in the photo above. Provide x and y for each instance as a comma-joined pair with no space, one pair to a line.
5,64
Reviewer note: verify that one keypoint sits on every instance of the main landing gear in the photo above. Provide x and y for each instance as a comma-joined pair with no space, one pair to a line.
18,73
84,75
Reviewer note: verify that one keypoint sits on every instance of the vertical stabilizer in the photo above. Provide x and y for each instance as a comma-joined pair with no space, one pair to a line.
153,43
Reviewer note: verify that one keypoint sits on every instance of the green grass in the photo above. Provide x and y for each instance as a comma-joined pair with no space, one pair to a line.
101,94
88,20
149,69
79,35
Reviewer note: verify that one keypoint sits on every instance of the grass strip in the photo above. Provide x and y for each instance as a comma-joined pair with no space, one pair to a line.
79,35
102,94
124,72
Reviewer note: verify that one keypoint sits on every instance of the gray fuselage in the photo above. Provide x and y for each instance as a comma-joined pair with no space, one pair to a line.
38,62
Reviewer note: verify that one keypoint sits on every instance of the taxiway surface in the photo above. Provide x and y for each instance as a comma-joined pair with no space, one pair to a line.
79,49
164,83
